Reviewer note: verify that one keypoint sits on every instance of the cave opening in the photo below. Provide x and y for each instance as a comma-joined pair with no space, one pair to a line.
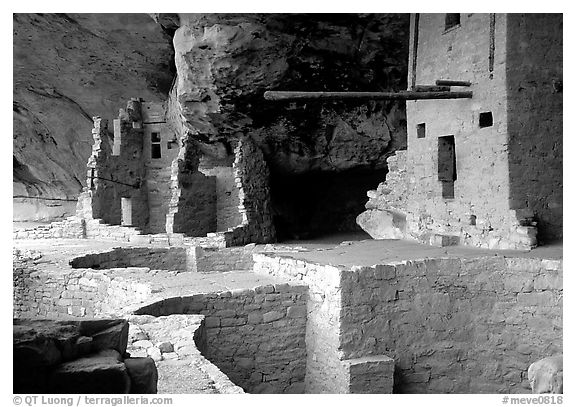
319,204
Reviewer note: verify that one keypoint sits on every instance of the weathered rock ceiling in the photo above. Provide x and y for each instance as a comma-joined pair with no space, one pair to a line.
225,62
70,67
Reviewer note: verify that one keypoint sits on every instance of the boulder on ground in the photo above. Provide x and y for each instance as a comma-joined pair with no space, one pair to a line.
382,224
546,375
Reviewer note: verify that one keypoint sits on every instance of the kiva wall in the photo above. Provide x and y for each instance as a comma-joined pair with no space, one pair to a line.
253,181
72,293
173,258
255,336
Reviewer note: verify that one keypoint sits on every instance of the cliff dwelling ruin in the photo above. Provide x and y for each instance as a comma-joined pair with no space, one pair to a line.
269,203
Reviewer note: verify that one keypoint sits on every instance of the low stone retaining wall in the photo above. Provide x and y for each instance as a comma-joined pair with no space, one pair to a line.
470,325
206,260
190,258
71,228
173,258
78,356
255,336
71,292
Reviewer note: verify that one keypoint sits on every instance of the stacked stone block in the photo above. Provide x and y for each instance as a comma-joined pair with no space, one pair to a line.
206,260
327,368
255,336
70,293
70,228
78,356
176,340
252,180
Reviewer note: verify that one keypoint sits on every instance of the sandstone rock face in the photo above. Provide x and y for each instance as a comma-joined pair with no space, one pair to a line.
225,62
67,69
546,375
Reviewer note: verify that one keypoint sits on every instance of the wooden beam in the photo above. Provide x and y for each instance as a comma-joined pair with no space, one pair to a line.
402,95
447,82
431,88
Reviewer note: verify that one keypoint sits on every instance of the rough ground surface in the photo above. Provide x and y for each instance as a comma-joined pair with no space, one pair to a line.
183,377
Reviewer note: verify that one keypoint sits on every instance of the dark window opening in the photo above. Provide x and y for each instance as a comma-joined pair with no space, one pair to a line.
447,165
421,130
486,119
156,151
473,220
172,144
452,20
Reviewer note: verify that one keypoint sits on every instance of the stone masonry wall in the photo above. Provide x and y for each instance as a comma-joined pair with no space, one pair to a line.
159,169
324,371
455,325
252,178
173,259
68,228
255,336
479,213
227,199
117,170
534,87
385,214
70,293
206,260
192,208
177,340
481,188
470,325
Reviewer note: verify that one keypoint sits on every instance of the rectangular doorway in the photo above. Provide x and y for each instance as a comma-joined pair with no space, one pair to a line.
447,165
126,204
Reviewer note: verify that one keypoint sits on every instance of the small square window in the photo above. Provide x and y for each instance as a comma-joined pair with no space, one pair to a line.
486,119
452,20
421,130
155,137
